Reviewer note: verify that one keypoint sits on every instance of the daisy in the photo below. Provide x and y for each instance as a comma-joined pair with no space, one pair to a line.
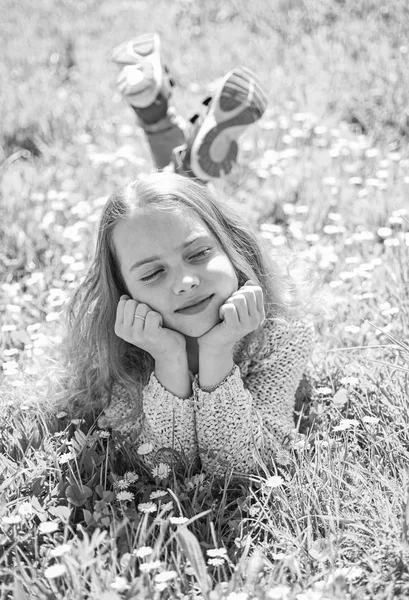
26,509
64,458
147,507
60,550
145,449
162,471
131,476
274,481
48,527
166,507
120,584
150,566
122,484
124,496
215,562
157,494
178,520
217,552
165,576
12,520
143,551
55,571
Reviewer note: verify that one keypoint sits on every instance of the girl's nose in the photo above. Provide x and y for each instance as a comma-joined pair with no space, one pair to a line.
185,281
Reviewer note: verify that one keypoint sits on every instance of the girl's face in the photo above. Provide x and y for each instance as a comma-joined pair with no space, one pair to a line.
170,260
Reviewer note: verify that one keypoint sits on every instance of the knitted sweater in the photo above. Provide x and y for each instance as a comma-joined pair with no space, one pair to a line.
246,416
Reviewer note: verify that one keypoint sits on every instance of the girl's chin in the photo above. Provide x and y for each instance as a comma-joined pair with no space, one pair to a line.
196,330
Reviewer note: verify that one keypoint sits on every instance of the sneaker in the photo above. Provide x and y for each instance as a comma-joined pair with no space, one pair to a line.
239,101
142,79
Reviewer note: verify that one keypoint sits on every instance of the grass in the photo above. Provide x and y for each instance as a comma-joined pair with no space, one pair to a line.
325,177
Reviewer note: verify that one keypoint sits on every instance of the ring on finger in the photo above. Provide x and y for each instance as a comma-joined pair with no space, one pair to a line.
138,317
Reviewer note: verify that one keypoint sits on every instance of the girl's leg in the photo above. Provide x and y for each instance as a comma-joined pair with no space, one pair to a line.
207,146
146,86
212,143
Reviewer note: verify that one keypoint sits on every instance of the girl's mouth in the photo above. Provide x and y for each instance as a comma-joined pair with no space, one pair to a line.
196,308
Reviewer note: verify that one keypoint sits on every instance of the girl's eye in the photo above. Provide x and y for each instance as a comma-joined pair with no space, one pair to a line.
201,253
151,276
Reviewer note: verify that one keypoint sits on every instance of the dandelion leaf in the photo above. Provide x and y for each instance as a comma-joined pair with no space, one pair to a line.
191,549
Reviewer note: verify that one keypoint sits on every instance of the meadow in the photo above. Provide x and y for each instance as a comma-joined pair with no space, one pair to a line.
324,178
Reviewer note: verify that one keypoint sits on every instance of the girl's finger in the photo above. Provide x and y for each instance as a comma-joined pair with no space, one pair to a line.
129,312
153,320
250,296
241,305
120,309
228,312
258,292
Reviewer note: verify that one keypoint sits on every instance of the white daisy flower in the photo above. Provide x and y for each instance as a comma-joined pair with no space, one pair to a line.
147,507
120,584
217,552
12,520
124,496
274,481
215,562
64,458
131,476
367,419
242,596
145,449
104,434
48,527
346,424
143,551
55,571
162,471
150,566
60,550
26,509
165,576
157,494
122,484
178,520
166,507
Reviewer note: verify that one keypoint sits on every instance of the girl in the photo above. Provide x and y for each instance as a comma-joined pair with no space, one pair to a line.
189,326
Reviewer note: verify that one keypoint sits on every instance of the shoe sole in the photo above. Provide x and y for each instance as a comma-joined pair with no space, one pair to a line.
140,50
239,102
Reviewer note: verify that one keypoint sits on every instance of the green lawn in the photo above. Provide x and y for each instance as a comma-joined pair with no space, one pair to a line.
325,178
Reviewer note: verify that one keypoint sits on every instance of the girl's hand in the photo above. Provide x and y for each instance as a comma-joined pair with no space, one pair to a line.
242,313
141,326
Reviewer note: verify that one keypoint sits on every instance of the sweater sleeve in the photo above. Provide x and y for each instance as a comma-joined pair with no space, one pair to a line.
249,414
169,423
162,420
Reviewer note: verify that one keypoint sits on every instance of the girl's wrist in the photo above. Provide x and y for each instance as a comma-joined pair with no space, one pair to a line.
216,351
173,374
214,366
176,355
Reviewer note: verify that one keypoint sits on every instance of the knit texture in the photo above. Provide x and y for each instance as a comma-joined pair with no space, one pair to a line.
246,417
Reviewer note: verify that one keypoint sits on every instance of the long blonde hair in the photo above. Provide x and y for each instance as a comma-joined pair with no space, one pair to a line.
96,357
